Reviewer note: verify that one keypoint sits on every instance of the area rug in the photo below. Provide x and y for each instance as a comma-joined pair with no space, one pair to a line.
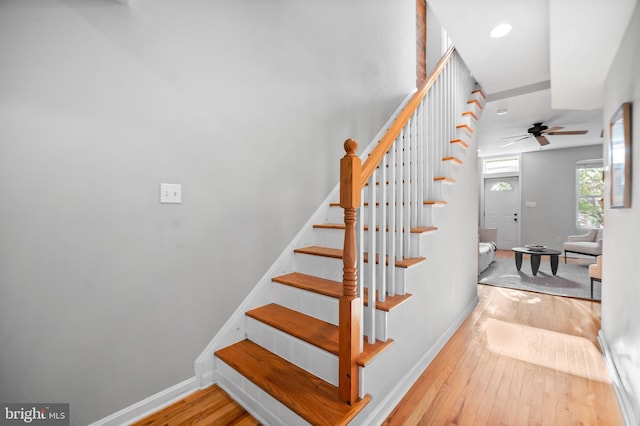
571,280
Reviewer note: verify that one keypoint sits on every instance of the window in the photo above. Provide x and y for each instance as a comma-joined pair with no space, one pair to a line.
589,191
501,186
501,165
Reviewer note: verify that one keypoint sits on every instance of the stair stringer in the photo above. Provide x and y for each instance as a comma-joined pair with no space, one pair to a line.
234,329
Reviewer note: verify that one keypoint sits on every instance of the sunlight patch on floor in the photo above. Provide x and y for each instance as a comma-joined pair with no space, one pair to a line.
558,351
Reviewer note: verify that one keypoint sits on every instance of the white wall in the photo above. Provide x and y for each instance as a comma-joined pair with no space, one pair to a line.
621,269
548,178
106,296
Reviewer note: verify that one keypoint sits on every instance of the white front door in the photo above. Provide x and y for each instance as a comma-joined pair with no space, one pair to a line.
502,209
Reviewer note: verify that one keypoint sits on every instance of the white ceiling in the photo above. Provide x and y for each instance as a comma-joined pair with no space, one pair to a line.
550,68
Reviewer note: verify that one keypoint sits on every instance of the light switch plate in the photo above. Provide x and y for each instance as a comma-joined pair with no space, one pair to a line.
170,193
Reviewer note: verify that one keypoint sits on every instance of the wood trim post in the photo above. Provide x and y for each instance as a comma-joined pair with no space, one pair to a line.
350,308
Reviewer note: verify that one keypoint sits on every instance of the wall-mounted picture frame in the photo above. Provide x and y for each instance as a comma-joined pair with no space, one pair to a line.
620,157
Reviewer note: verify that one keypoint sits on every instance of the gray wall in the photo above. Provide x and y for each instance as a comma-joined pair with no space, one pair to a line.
549,179
106,296
620,266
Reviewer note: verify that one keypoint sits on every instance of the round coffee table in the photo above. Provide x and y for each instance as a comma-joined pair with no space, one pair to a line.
535,258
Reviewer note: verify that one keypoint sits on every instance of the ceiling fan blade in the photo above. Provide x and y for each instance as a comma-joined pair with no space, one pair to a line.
516,136
552,129
542,140
517,140
570,132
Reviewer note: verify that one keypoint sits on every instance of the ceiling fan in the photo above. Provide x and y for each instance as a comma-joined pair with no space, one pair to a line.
539,131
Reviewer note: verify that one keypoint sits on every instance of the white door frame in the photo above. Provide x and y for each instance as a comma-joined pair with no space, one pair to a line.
499,175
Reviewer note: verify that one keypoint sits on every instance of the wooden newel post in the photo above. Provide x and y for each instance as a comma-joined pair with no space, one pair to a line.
350,305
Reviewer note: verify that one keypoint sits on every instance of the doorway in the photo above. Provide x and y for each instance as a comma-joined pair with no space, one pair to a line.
502,209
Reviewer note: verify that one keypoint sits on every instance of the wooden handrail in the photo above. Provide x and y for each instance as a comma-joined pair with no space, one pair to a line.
353,176
390,136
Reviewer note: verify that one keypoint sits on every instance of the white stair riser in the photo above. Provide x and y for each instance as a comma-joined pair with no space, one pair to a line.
335,238
381,324
249,395
315,305
464,133
469,120
474,108
450,168
458,150
328,237
335,215
331,269
477,96
306,356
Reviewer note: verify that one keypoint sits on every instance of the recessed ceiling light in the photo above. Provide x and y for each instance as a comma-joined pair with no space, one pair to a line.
502,111
500,31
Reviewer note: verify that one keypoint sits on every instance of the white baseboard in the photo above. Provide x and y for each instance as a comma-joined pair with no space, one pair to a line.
624,400
392,399
150,405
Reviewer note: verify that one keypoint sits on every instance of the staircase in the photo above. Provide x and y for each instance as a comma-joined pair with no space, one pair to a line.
308,345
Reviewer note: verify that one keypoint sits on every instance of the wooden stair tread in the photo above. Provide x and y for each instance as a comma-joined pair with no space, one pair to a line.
465,127
475,101
435,202
337,254
316,332
459,142
390,303
320,251
452,159
340,226
480,92
310,397
371,351
404,263
444,179
471,114
311,283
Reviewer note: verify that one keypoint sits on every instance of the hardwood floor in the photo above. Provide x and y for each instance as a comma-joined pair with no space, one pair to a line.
520,358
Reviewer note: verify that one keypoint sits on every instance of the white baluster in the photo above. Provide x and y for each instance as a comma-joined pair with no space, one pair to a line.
406,191
399,194
413,205
371,240
382,232
391,279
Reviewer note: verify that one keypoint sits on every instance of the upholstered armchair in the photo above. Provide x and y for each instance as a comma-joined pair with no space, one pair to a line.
589,244
595,272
